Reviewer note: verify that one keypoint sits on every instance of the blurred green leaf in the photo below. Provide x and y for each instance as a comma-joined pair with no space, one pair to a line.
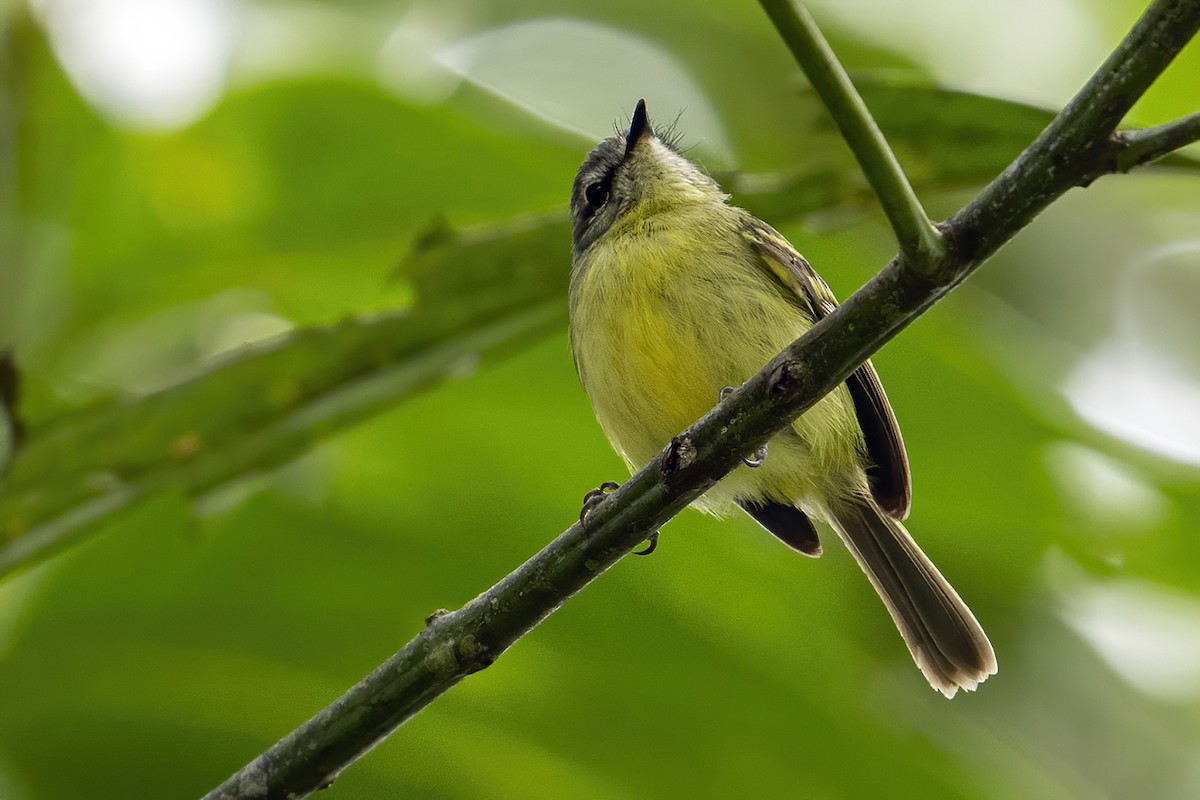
6,438
479,296
10,425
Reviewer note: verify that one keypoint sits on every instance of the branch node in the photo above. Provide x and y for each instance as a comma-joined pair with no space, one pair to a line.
435,616
784,376
474,654
964,244
1108,159
441,659
681,454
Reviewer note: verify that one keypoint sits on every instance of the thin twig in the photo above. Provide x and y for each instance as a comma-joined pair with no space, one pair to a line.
919,240
1149,144
455,644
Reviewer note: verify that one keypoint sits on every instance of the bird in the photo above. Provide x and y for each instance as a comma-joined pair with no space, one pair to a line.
675,296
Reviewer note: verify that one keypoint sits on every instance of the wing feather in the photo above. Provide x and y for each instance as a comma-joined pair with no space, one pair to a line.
888,473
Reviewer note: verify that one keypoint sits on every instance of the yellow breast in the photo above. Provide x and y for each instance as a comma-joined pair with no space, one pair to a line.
659,325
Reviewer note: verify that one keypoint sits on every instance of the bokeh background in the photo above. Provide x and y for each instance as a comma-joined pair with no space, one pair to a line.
187,183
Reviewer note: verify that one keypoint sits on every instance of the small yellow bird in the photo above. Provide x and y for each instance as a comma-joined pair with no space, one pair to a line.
676,295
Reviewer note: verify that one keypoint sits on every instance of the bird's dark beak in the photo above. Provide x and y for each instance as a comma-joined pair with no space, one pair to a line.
639,126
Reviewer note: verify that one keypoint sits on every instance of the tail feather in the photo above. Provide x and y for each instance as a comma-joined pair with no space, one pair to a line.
942,634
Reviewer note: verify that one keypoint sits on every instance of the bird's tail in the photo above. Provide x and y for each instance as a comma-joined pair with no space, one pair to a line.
942,634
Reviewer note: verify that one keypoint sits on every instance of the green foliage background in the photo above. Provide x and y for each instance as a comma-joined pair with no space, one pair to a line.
253,553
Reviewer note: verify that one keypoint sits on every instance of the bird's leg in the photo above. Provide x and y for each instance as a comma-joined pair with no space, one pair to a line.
760,455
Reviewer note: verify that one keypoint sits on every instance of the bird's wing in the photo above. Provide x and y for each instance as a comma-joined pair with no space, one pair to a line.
888,475
789,524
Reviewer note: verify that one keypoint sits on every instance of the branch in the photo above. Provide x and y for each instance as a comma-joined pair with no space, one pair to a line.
917,236
1083,134
1149,144
455,644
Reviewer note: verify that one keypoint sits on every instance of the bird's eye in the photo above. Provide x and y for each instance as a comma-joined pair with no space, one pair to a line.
596,194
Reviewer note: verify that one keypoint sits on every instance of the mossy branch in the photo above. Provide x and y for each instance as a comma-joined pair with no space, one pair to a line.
1080,145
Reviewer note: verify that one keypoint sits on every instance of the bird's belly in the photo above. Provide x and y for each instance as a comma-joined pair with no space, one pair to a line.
651,372
656,345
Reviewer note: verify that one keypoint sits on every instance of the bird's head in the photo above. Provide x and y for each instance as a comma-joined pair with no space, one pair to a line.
633,175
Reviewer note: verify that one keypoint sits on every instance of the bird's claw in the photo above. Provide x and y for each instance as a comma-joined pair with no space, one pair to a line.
760,455
755,461
651,544
595,497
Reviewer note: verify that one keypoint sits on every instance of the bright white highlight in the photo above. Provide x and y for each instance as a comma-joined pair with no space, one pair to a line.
156,64
1147,634
511,62
1034,50
1104,494
1140,383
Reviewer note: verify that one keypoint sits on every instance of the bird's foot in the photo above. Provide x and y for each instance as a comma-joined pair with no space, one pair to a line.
760,455
595,497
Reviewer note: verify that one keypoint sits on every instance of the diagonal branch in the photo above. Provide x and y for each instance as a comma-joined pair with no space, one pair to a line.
916,235
1073,150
